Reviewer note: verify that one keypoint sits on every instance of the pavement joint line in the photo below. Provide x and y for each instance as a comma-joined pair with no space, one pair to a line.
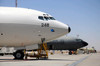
77,62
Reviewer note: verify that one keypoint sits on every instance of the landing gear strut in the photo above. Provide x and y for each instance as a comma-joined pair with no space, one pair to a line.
19,54
70,52
42,51
43,46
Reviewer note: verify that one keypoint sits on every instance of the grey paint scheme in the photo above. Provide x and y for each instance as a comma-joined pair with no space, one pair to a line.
66,43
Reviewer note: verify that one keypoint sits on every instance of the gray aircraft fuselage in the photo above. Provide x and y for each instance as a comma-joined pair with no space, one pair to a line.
66,43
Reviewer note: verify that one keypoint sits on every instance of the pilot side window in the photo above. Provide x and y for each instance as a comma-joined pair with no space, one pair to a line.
41,18
52,18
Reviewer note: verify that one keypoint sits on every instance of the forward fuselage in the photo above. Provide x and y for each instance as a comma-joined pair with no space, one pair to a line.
22,27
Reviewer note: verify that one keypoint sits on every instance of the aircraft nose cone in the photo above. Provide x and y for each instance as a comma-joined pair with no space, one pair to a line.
84,43
60,28
64,28
69,29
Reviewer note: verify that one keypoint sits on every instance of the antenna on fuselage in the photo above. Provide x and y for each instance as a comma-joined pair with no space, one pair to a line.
16,3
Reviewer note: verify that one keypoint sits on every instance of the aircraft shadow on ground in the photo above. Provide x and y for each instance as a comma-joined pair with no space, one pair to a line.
10,60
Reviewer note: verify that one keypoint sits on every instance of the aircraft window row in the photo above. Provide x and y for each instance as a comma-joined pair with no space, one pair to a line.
45,18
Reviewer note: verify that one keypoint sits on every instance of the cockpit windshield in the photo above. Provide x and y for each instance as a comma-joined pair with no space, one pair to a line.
46,17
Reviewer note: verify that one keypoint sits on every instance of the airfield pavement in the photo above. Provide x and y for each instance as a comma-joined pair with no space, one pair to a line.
54,60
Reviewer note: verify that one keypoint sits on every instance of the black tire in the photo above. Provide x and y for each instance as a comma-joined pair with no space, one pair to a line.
70,53
19,55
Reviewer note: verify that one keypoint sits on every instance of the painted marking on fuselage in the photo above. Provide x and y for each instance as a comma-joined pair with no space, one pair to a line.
44,24
52,30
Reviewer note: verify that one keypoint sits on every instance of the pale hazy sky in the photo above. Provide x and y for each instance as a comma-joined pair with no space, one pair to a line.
83,16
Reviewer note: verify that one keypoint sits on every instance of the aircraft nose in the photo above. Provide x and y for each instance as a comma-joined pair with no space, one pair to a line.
69,29
84,43
60,28
64,28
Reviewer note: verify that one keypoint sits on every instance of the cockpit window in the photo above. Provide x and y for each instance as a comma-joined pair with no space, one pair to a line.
52,18
46,18
41,18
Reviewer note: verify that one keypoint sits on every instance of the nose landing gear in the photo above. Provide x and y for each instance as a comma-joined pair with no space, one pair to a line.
42,51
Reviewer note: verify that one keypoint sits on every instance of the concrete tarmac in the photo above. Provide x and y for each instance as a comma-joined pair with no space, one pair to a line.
92,60
54,60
